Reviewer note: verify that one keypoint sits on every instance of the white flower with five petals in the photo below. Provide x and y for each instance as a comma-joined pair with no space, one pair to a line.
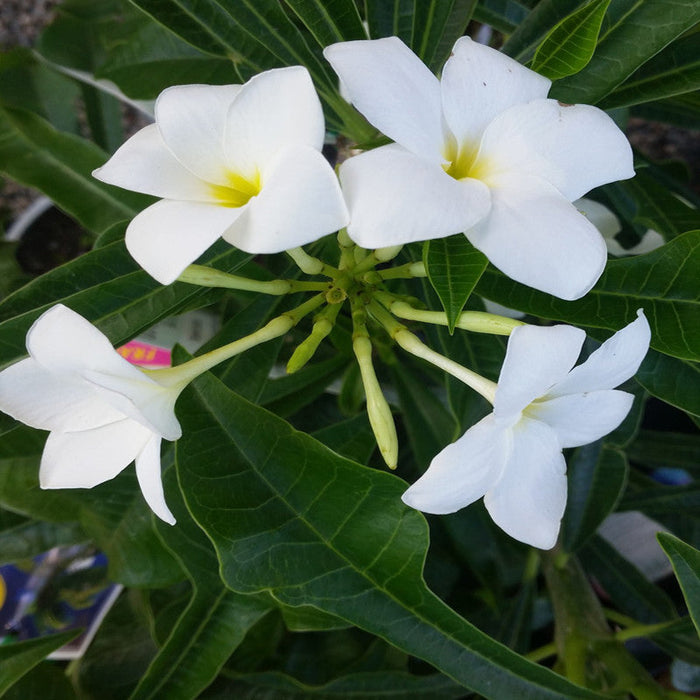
481,151
513,457
103,413
242,162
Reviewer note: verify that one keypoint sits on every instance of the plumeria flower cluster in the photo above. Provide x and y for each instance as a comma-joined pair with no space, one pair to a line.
482,151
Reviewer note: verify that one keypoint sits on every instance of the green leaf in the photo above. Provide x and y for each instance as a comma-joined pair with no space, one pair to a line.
351,438
664,500
46,681
437,24
290,516
682,110
636,31
626,585
569,46
597,479
673,71
675,381
107,287
686,565
525,37
502,15
393,18
378,684
662,282
212,625
18,659
329,21
454,267
656,448
656,206
59,165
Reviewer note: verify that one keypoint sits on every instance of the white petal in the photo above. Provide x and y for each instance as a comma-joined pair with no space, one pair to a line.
141,399
192,120
579,419
49,401
538,238
651,240
614,362
144,164
66,343
274,110
574,147
529,500
300,201
478,83
600,216
396,197
394,90
463,472
148,474
90,457
168,236
536,358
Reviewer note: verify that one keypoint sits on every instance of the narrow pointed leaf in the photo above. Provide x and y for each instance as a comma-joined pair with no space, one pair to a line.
437,24
390,18
524,38
290,516
674,71
18,659
686,564
329,21
107,287
659,448
212,625
59,165
635,32
675,381
454,267
502,15
569,46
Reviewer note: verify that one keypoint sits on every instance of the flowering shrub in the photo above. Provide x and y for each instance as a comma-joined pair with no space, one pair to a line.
356,336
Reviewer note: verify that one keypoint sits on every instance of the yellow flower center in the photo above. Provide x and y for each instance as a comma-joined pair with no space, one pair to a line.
462,161
239,190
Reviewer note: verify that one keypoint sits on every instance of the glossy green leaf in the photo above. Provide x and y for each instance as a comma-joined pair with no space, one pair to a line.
290,516
393,18
329,21
454,267
675,381
26,83
502,15
393,685
529,33
662,282
59,165
625,584
660,500
686,565
108,288
597,476
212,625
18,659
635,32
658,448
673,71
656,207
437,24
569,46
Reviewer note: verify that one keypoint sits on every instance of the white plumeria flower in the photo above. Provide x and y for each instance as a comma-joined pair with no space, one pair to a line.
513,457
239,161
481,151
103,413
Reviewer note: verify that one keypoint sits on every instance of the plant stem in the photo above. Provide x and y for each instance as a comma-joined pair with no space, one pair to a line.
310,265
411,343
414,269
209,277
185,373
